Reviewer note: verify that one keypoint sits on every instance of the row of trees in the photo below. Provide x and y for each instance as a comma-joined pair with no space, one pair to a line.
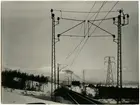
8,78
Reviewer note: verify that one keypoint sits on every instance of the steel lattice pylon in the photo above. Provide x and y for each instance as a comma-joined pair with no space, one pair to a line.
121,20
53,57
53,53
109,78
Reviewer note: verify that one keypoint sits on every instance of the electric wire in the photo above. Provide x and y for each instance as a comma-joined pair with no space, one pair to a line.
91,34
101,35
87,16
104,17
98,10
86,35
83,38
71,28
82,11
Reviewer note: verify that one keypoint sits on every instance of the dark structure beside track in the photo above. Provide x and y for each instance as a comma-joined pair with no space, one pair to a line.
114,92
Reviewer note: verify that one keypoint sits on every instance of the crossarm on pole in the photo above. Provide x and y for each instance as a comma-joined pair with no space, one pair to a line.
102,29
70,28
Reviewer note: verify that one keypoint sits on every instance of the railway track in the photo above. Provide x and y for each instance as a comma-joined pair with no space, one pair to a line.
82,99
77,98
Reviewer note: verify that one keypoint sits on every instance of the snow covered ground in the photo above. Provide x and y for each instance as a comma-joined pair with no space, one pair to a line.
76,89
90,91
131,86
16,97
107,101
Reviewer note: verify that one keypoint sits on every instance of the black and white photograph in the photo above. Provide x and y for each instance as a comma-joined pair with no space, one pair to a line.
70,52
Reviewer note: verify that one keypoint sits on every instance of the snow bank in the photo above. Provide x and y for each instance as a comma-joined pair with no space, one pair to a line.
107,101
15,97
90,91
76,89
131,86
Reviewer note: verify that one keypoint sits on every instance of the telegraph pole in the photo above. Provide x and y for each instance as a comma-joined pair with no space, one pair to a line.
84,80
122,20
53,57
52,63
84,76
84,87
58,69
109,78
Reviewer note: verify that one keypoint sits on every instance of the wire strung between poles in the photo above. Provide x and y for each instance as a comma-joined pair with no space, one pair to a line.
104,17
71,28
71,19
87,34
91,33
101,28
83,11
86,18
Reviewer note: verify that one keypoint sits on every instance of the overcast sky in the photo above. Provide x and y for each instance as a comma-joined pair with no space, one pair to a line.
26,38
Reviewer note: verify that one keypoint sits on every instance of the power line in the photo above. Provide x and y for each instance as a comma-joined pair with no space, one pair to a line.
82,11
70,19
70,28
91,9
84,34
74,49
104,17
97,13
83,38
101,29
87,17
87,35
91,34
98,10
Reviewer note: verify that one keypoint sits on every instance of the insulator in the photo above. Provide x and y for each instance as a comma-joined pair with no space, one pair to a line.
119,16
123,20
127,15
113,36
113,19
58,18
58,35
51,10
52,15
120,11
